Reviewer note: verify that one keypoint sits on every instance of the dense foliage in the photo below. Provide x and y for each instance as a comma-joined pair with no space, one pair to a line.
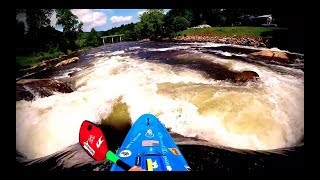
37,36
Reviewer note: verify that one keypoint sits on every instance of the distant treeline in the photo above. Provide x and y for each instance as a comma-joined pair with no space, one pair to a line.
39,36
154,24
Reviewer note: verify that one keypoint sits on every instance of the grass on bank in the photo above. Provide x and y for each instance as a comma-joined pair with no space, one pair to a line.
240,31
35,59
27,61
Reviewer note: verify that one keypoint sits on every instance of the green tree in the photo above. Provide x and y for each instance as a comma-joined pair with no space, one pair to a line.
93,38
20,37
66,19
128,31
36,19
142,30
69,22
80,25
81,41
180,23
151,24
186,13
175,24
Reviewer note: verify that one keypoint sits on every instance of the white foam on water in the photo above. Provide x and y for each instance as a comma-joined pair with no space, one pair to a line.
208,44
265,115
169,48
134,47
66,73
115,53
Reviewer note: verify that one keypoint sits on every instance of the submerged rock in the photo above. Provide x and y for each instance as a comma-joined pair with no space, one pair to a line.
27,89
246,76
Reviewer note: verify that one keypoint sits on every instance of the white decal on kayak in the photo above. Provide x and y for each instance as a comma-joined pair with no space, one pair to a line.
169,168
125,153
150,143
163,147
99,142
149,133
164,150
91,138
155,164
166,161
134,139
88,148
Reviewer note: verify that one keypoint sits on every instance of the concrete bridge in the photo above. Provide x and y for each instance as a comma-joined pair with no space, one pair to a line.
112,36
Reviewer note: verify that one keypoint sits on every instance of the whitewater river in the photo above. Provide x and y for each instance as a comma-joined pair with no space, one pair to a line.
185,85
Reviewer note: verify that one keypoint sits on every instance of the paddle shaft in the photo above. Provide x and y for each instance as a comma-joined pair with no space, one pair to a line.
123,165
115,159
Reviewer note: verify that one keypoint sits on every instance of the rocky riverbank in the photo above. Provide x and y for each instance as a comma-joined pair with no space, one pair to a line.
62,60
244,41
272,54
28,89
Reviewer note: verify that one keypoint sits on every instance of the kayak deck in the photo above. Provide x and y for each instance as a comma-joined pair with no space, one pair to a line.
149,145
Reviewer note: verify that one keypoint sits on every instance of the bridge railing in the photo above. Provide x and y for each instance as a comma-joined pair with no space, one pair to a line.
112,36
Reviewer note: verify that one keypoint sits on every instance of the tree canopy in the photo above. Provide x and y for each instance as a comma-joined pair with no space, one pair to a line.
37,35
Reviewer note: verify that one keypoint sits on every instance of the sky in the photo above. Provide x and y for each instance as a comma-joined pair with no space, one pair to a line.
103,19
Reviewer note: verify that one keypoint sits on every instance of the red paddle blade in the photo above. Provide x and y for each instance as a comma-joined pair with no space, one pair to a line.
91,138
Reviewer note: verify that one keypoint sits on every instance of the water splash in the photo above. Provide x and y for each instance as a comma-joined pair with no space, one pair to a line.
263,115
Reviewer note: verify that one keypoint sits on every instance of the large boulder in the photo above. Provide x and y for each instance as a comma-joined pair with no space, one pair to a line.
246,76
27,89
272,55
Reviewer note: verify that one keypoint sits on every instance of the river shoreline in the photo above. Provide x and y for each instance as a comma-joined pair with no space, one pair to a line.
188,86
256,42
244,41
